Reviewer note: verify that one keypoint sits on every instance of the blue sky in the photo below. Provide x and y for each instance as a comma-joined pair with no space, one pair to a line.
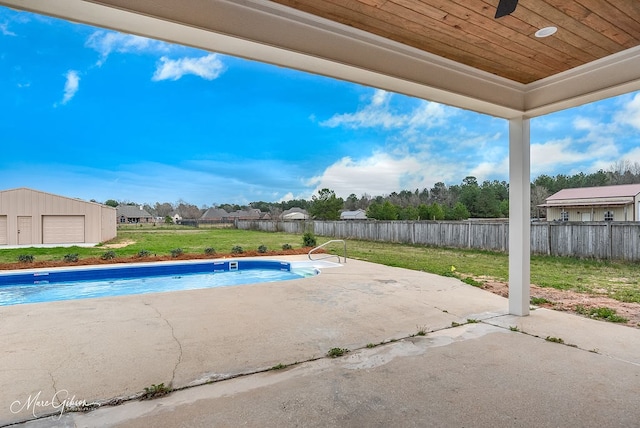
96,114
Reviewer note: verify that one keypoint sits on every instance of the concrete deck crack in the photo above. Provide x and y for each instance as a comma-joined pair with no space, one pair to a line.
571,345
173,334
55,387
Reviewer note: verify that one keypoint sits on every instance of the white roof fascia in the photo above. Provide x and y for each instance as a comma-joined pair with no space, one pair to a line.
589,201
586,204
608,77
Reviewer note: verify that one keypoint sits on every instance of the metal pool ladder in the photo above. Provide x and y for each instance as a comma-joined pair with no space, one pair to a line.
328,256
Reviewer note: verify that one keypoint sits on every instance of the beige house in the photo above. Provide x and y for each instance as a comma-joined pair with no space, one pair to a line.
295,213
31,217
133,214
605,203
358,214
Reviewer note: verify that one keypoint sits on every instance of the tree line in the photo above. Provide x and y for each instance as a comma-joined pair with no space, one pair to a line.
469,199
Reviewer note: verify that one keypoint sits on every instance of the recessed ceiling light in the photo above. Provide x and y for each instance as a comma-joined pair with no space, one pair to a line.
546,32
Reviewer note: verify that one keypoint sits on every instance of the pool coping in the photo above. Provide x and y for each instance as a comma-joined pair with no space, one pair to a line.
319,264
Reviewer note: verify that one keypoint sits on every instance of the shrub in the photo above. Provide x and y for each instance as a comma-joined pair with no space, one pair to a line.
237,250
70,258
337,352
308,240
603,313
176,252
262,249
26,258
473,282
279,366
449,273
144,253
539,301
109,255
209,250
155,391
286,247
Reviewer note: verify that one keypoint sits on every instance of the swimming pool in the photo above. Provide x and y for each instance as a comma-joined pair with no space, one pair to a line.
43,285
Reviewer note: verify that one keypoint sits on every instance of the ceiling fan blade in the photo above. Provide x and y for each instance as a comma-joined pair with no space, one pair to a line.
506,7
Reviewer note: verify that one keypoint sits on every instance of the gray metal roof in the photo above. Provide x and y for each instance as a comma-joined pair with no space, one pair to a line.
623,190
132,211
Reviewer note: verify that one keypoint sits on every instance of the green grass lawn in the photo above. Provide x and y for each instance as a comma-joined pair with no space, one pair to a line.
618,280
161,240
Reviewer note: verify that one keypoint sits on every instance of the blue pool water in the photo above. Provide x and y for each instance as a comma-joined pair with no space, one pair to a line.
65,284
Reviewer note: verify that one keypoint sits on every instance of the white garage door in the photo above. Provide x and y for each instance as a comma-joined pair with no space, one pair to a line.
3,230
62,229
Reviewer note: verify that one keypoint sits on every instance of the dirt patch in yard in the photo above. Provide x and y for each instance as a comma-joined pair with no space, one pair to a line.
119,244
571,301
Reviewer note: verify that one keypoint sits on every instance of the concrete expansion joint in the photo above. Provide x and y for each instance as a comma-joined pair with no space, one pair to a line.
553,339
173,334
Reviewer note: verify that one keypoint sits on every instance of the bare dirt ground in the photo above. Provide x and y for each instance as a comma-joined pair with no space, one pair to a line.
565,300
119,244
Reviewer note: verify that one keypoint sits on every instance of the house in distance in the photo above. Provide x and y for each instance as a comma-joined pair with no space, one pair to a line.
295,213
133,214
358,214
603,203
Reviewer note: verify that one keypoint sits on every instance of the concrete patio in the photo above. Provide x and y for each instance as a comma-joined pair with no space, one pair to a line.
217,347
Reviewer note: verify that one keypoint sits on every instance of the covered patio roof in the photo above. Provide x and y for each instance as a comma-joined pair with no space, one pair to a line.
449,51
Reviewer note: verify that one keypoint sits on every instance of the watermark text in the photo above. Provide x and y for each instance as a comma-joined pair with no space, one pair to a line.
60,402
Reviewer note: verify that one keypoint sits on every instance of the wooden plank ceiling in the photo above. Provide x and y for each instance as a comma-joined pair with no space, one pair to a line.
466,31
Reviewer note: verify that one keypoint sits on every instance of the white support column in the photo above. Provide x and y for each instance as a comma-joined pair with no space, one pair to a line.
519,216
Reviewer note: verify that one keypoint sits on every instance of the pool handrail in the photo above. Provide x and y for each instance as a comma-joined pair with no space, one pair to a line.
344,243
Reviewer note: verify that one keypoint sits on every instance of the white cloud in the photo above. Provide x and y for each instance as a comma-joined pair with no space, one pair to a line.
106,42
378,113
584,124
429,115
4,30
587,138
632,156
71,86
548,155
423,146
289,196
382,174
380,97
374,114
558,155
630,114
208,67
491,170
286,197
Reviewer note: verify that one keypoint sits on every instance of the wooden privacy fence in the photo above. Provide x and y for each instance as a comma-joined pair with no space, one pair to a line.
599,240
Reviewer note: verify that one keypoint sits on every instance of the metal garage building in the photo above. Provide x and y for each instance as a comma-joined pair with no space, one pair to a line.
31,217
603,203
